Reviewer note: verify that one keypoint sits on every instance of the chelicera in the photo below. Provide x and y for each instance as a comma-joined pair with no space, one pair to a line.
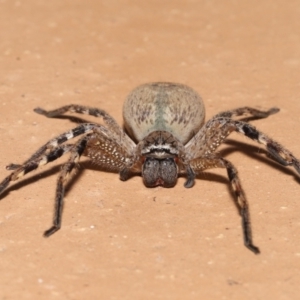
165,136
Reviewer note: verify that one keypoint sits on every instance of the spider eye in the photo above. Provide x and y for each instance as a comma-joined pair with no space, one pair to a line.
159,172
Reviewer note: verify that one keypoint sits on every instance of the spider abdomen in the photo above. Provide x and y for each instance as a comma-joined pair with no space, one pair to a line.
163,106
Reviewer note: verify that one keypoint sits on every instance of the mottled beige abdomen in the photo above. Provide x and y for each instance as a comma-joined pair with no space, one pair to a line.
163,106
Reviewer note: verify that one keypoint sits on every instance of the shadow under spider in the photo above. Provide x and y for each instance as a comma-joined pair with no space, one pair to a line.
254,152
54,170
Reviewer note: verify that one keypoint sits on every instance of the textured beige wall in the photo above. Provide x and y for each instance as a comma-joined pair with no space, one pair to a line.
120,240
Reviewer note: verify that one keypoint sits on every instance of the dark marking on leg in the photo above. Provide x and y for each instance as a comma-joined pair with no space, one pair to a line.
242,204
247,231
204,163
247,111
231,173
35,164
250,132
60,190
67,168
73,108
55,154
30,167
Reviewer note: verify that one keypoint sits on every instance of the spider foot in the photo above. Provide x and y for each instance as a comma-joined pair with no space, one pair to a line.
52,230
40,111
190,181
11,167
253,248
273,110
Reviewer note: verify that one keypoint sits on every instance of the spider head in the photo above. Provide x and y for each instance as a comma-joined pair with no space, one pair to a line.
159,151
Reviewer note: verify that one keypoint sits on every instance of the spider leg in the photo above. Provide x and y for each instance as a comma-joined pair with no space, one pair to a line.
102,150
62,138
80,109
12,167
76,151
50,151
247,111
35,164
108,120
280,154
203,163
208,139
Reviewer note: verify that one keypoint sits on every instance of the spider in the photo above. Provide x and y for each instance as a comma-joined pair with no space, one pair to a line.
165,136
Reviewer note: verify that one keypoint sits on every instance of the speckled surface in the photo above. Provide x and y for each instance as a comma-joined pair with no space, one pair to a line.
120,240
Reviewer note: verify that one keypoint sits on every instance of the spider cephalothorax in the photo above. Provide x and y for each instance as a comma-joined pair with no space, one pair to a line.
165,137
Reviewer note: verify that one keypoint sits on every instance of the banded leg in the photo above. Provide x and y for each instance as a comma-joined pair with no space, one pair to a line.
247,111
35,164
208,139
62,138
278,152
95,112
76,151
200,164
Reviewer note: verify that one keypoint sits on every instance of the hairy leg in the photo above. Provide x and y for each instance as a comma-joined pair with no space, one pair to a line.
280,153
216,131
35,164
108,120
62,138
198,165
50,151
76,151
247,111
